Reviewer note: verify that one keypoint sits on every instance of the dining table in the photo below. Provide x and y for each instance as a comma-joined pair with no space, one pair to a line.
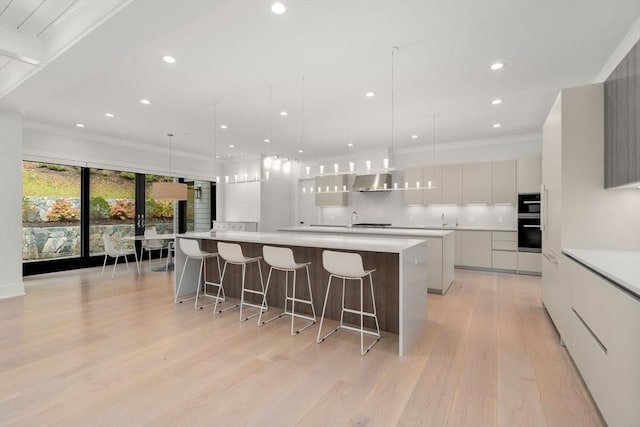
169,266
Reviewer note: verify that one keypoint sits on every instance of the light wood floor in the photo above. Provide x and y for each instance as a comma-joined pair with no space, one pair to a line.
81,351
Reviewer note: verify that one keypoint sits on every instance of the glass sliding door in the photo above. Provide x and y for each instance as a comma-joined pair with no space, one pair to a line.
67,210
51,211
158,214
112,205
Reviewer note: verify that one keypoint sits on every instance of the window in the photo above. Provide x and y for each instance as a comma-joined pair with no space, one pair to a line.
51,211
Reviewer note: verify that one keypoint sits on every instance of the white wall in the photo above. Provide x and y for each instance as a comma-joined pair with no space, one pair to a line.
11,215
51,144
277,200
239,201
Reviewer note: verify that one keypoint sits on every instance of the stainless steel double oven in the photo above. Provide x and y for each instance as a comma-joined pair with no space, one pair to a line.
529,232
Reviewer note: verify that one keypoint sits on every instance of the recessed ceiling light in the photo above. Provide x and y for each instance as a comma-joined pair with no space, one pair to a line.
110,115
414,136
232,146
496,102
370,94
79,125
267,140
300,151
217,157
169,59
224,127
283,113
497,65
145,101
349,145
242,153
278,8
497,125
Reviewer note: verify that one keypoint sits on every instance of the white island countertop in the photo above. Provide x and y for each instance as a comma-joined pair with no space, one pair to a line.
423,227
358,243
382,231
620,267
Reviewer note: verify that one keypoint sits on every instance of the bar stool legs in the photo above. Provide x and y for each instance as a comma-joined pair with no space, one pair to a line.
216,297
293,299
262,307
361,312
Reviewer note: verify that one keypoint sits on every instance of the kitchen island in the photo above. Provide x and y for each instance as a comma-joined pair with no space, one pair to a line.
440,247
399,280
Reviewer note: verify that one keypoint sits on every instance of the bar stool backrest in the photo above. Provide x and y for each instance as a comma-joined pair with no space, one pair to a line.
231,252
344,264
190,248
279,257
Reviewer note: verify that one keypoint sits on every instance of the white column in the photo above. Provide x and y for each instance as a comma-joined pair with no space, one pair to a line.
11,214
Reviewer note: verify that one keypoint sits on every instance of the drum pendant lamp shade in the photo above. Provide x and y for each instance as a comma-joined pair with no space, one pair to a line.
169,191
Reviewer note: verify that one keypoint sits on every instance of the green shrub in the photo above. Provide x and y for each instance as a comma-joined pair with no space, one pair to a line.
122,210
150,178
162,209
63,210
53,167
128,175
99,208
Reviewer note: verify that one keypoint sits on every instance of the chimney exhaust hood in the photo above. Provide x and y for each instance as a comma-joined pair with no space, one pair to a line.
373,182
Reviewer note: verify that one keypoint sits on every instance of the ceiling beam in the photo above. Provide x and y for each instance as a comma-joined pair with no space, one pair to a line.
20,46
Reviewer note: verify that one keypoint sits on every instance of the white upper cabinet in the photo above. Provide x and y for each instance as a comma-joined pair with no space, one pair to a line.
413,178
529,175
433,175
329,190
452,184
476,183
503,179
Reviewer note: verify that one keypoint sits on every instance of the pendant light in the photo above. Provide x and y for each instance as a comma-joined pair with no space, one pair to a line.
169,190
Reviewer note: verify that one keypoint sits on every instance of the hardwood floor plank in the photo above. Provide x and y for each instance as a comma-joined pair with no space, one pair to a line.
432,396
81,350
518,396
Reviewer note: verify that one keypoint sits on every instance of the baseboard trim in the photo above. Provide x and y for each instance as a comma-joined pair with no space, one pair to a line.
12,290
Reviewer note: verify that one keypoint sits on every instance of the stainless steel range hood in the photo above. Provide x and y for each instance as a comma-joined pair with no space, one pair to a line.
373,182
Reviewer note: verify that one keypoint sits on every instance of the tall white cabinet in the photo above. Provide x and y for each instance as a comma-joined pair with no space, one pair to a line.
577,212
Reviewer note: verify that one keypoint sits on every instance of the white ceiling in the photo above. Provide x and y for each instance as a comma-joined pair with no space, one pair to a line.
233,53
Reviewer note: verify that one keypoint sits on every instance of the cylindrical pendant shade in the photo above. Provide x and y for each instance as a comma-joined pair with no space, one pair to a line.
169,191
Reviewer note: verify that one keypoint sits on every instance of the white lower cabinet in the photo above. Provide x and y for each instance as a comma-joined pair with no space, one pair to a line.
529,262
475,249
504,246
604,342
503,260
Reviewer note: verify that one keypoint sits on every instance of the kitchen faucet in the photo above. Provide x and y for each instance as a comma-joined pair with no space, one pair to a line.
353,219
442,220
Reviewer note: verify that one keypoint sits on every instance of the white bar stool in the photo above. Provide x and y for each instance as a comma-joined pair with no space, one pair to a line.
231,253
282,259
192,250
348,266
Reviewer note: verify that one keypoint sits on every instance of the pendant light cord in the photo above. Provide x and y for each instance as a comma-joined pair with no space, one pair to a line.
302,131
271,120
393,52
433,140
170,135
